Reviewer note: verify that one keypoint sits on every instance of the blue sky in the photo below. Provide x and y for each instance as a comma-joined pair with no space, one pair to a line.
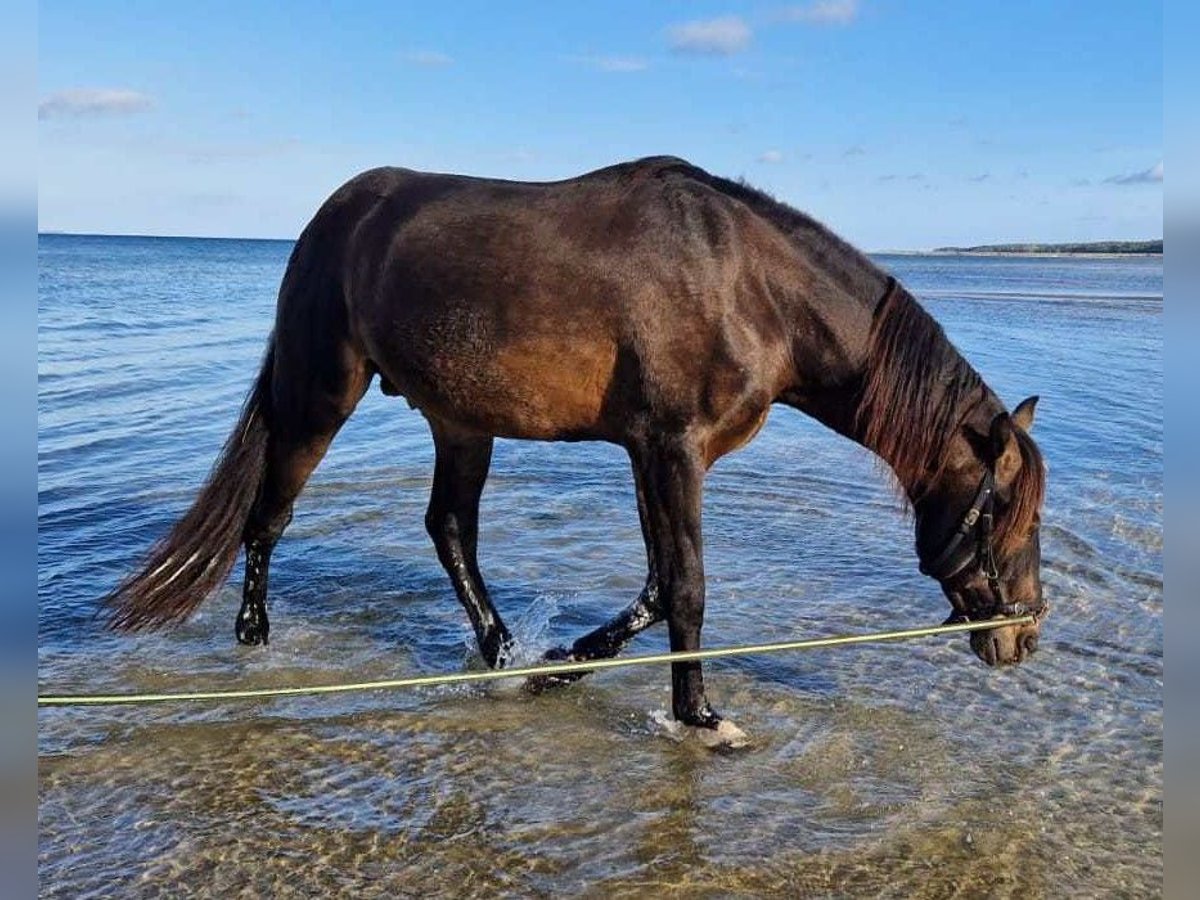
901,125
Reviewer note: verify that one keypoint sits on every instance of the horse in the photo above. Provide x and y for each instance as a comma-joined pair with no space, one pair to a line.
649,304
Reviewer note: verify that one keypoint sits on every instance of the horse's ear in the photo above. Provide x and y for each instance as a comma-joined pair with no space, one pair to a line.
1022,416
1006,455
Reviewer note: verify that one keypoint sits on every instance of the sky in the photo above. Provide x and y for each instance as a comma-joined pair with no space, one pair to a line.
901,125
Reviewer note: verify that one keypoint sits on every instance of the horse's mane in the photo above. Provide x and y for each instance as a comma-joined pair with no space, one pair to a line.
917,388
1028,491
782,214
828,253
917,391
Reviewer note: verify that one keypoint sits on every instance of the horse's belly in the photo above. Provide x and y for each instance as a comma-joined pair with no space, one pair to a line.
551,386
542,387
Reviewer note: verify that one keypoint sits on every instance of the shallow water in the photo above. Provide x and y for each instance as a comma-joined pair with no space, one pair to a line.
893,770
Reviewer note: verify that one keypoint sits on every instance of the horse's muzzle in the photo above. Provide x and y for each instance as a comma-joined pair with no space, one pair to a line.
1005,646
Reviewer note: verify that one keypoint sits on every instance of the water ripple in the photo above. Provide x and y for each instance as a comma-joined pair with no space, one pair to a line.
885,771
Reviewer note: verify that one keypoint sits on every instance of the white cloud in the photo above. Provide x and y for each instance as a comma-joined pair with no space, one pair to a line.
771,156
823,12
621,64
93,102
1152,175
428,58
723,36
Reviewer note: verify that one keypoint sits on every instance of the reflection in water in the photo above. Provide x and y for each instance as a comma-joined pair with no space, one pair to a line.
902,770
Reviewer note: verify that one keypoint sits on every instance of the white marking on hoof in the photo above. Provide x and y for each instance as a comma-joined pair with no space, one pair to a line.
725,735
661,722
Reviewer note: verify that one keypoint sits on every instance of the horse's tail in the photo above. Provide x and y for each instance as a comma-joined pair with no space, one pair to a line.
195,558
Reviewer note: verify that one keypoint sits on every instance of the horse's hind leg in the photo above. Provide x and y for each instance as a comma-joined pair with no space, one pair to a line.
303,422
289,463
453,522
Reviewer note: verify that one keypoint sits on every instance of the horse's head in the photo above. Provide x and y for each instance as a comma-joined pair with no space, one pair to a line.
977,532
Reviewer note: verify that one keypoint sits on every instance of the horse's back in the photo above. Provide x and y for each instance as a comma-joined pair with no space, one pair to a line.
550,310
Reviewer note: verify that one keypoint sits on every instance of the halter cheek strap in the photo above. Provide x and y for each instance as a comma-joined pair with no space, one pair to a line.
952,559
960,552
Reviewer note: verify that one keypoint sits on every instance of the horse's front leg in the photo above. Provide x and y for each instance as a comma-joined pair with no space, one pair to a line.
670,474
613,636
606,641
671,478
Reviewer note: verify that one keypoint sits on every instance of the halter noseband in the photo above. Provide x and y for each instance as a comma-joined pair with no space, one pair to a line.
960,552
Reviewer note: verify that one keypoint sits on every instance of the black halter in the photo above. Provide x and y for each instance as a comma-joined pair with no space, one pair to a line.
961,552
958,553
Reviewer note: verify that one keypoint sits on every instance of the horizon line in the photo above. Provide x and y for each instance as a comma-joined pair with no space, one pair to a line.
875,252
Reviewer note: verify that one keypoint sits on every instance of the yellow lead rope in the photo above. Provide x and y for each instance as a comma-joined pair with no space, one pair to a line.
565,668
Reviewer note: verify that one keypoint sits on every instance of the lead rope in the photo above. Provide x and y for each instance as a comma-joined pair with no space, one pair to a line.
566,668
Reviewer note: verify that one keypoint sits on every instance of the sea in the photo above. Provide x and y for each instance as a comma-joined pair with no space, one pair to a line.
883,770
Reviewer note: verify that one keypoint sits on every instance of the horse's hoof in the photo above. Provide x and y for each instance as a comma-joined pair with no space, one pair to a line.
726,736
716,734
252,637
251,632
497,650
536,684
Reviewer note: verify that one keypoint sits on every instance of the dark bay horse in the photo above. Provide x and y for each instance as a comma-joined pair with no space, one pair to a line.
649,304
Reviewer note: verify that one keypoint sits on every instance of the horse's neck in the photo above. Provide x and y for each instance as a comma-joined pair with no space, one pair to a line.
833,389
830,340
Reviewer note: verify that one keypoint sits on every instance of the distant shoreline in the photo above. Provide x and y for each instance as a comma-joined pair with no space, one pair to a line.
1029,254
1085,248
1045,254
